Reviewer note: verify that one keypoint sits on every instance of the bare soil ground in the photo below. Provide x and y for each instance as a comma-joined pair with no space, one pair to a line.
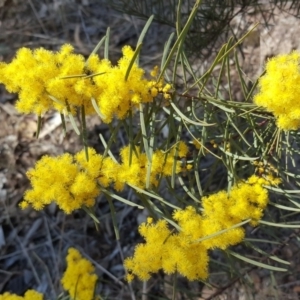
33,244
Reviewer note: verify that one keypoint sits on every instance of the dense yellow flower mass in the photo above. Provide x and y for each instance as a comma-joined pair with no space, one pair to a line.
67,180
134,166
29,295
65,81
36,74
73,181
79,278
116,95
187,251
280,90
168,251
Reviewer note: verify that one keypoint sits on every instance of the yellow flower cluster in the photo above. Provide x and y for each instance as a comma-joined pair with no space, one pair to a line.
73,182
79,278
168,251
64,81
116,96
187,251
29,295
280,90
134,167
37,74
67,180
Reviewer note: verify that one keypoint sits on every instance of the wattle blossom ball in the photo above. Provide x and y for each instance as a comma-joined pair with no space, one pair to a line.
280,90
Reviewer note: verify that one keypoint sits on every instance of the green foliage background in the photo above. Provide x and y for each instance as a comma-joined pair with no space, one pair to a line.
212,21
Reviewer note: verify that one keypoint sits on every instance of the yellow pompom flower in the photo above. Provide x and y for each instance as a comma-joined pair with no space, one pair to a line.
26,75
181,150
79,278
246,200
29,295
223,240
36,75
117,96
147,257
64,81
186,252
134,166
279,90
190,258
66,87
71,182
168,251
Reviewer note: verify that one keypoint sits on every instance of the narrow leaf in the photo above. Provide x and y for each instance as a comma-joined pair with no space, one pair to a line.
73,123
39,125
96,108
96,49
185,188
145,29
135,55
106,46
155,196
187,119
256,263
281,225
180,38
238,157
166,49
113,217
273,257
121,199
285,207
63,122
